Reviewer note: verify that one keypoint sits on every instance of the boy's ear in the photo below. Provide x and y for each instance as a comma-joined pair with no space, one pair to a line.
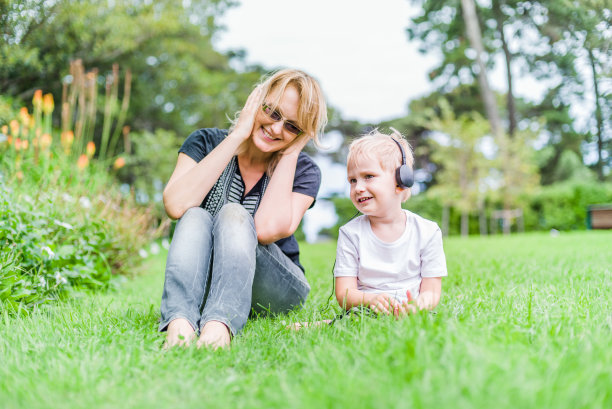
405,192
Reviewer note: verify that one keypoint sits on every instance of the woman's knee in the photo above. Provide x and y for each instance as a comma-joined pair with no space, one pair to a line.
235,219
193,233
196,216
193,227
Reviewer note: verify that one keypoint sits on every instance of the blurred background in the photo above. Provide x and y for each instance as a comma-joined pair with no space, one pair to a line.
506,103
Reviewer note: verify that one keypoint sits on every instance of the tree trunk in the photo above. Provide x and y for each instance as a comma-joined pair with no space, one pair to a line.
506,221
475,37
465,224
598,117
508,56
482,220
445,217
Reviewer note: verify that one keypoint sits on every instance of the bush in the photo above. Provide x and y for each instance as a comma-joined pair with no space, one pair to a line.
562,206
64,222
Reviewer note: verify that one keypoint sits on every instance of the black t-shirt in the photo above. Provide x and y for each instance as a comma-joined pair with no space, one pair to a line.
307,177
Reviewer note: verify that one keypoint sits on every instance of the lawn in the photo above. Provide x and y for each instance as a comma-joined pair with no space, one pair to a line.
525,321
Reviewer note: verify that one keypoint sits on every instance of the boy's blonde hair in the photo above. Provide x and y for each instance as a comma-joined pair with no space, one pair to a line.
379,146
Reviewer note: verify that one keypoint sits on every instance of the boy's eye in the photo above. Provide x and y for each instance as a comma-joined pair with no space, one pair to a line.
369,176
353,180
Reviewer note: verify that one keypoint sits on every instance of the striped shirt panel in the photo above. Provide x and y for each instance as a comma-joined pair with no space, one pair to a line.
236,191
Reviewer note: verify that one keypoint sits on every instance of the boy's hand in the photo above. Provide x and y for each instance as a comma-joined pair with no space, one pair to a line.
425,300
384,304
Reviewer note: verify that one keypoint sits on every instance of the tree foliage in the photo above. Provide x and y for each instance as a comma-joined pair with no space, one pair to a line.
180,81
564,45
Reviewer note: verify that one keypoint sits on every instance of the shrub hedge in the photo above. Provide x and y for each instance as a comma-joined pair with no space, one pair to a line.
562,206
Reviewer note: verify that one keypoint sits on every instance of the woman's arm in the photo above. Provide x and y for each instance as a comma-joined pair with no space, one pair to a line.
191,181
429,293
281,210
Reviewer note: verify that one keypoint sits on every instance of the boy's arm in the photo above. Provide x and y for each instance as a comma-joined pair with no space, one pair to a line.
429,293
349,296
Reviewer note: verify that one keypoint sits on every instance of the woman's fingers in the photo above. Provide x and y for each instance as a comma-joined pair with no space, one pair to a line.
248,112
254,98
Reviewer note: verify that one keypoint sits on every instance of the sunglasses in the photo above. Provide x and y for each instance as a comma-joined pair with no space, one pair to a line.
277,116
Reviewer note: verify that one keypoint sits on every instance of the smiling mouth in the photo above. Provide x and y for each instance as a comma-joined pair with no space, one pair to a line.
267,135
363,199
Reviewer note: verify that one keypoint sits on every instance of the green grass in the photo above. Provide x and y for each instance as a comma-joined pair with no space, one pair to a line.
524,322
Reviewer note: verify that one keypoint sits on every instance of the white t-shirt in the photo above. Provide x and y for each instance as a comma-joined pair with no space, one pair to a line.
390,268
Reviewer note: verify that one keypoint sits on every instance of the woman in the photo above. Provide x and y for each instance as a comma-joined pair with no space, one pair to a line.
240,196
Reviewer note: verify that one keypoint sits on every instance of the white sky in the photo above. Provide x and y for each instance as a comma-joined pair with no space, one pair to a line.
357,49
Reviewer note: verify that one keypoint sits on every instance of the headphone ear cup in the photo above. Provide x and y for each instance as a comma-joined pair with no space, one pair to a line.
404,176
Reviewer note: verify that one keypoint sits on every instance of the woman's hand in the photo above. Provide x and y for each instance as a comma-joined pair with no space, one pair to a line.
297,146
244,126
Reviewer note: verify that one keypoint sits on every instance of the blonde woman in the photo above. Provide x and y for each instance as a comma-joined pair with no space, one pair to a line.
239,196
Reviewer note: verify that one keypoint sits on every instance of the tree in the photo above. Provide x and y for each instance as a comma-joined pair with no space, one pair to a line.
463,167
475,36
443,26
179,81
565,44
578,33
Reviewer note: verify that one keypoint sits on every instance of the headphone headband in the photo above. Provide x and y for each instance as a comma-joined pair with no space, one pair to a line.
401,150
403,175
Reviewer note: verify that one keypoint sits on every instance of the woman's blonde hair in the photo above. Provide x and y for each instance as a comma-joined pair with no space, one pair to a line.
379,146
312,109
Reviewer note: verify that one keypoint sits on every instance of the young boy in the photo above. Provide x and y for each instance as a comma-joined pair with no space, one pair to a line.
387,256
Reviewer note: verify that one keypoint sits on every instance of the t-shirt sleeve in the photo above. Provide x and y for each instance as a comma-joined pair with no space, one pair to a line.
433,260
347,256
307,178
201,142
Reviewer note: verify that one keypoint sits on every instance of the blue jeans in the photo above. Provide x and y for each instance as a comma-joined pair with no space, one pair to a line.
243,274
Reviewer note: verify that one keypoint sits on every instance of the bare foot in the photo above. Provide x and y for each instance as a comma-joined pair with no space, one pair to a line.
299,325
180,332
215,334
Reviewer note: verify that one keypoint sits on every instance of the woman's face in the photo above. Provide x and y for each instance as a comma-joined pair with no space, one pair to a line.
270,135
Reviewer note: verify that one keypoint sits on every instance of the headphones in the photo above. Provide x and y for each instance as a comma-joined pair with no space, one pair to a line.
403,175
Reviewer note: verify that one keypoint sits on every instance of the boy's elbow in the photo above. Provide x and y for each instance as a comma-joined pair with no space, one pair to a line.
342,298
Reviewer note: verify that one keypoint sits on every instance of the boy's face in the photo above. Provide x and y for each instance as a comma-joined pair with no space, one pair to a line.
374,191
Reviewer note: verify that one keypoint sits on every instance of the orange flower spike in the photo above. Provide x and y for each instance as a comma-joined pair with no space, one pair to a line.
4,129
48,103
14,127
67,138
45,141
82,162
19,175
37,101
17,144
24,116
24,144
90,149
119,163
